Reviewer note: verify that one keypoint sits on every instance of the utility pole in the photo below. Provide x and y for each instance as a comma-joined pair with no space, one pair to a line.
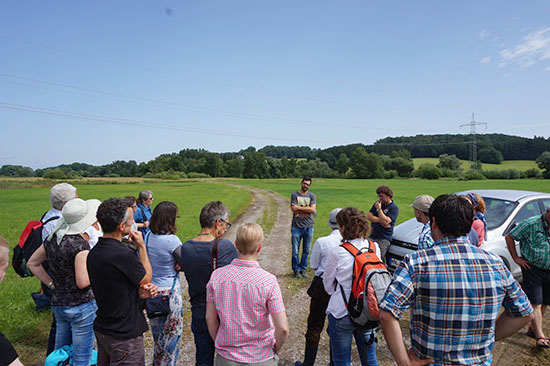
473,151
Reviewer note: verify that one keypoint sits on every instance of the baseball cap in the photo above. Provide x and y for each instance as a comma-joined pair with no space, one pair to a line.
422,203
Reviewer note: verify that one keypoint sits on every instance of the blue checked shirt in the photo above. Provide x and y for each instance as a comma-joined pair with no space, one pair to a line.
425,239
455,291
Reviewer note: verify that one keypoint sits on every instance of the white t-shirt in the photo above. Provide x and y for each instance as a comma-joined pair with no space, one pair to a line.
320,251
339,271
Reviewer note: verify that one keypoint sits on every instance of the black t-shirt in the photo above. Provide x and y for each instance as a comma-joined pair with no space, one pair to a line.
378,231
115,272
196,262
62,270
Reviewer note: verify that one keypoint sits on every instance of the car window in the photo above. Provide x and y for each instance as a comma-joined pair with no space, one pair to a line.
530,209
546,203
497,211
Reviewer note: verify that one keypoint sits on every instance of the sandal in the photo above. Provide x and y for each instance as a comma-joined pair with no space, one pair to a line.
543,342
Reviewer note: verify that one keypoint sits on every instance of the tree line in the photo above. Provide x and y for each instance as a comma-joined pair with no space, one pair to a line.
387,158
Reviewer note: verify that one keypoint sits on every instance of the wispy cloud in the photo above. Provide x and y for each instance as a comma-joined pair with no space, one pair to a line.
485,60
7,156
532,48
483,34
547,69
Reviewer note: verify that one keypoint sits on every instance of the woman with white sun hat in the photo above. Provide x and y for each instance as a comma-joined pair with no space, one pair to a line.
73,302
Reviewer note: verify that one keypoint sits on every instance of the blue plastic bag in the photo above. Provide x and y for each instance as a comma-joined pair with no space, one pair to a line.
64,356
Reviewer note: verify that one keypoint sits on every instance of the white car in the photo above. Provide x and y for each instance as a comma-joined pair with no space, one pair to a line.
504,210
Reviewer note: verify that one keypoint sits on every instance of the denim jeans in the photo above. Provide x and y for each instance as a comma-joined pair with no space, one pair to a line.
341,331
204,345
75,325
305,235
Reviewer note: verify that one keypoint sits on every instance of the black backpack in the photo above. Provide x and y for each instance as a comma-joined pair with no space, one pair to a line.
29,241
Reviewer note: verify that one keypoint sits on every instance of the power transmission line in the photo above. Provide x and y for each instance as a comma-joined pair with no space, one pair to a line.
473,153
125,121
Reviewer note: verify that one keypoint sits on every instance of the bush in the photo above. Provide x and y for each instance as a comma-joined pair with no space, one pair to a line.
450,162
390,174
56,173
448,173
490,155
197,175
474,175
428,171
533,173
502,174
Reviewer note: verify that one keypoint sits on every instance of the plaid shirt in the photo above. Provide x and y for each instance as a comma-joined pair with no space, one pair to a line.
455,291
534,241
425,239
245,295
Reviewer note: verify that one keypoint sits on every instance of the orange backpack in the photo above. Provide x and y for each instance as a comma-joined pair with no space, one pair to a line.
370,281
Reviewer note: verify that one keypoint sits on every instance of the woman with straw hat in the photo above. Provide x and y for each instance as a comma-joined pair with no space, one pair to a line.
73,302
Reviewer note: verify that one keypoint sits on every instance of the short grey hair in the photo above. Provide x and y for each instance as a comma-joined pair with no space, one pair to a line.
144,195
211,212
60,194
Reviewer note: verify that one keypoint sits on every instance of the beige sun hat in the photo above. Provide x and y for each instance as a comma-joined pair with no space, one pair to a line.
332,218
423,203
77,216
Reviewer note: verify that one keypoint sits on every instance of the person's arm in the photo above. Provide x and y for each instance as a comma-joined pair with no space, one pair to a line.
511,244
383,219
307,209
80,269
371,216
281,330
394,339
507,325
137,239
331,266
35,266
315,258
212,320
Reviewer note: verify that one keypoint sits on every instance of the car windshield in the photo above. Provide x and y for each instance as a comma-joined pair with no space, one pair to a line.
497,211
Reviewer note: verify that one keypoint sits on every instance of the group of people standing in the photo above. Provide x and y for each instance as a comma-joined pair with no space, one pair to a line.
453,288
106,258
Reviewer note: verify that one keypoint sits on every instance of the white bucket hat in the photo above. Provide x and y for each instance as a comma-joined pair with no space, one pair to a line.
77,216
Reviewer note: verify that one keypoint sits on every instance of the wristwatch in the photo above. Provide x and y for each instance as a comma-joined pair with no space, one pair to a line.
50,285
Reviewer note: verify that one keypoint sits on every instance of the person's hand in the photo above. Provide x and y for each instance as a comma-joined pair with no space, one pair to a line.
295,208
522,262
377,205
137,239
148,290
417,361
177,267
146,224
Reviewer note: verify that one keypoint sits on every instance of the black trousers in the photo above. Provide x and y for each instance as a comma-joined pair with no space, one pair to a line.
317,311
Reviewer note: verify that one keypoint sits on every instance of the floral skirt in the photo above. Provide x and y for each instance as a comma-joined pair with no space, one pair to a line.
167,330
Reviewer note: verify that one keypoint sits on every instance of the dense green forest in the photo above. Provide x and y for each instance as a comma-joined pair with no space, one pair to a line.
386,158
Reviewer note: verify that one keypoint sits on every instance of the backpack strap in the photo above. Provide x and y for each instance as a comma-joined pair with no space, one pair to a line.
143,214
214,254
48,220
350,248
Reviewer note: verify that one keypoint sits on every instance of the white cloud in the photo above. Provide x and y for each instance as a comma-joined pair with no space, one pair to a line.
532,48
483,34
547,69
485,60
501,65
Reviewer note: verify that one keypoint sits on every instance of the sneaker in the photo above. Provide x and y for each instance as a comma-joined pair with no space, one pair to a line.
303,274
297,274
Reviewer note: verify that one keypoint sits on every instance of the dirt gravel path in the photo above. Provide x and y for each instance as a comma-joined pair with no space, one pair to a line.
517,350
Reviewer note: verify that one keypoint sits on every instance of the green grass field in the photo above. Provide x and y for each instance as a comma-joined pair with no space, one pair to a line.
28,329
23,200
520,165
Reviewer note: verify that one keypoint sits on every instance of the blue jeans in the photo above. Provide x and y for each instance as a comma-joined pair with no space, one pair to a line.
341,331
305,235
75,325
204,345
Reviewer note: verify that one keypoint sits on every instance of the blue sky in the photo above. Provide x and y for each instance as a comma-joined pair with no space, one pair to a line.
98,81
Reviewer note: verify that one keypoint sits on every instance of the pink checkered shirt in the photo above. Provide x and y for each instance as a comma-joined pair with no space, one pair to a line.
245,295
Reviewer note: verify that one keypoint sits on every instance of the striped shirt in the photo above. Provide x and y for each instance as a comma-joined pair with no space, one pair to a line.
455,291
534,241
425,239
245,295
